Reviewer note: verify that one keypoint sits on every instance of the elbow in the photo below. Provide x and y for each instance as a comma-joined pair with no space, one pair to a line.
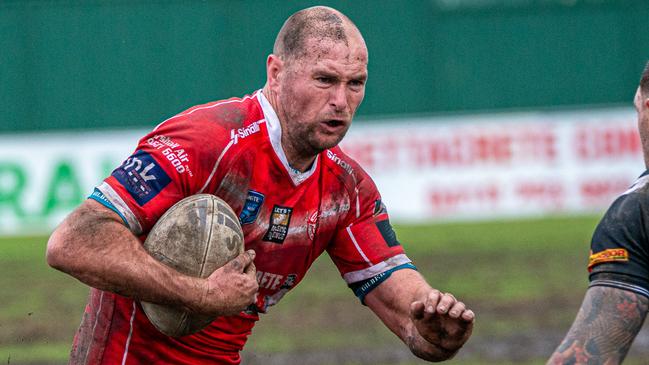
56,254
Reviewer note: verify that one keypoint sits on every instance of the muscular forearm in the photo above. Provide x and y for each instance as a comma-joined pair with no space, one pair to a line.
95,247
604,329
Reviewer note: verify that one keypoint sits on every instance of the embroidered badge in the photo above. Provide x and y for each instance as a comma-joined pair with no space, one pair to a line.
280,218
251,208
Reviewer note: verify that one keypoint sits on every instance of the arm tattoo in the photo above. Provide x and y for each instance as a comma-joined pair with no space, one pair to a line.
607,322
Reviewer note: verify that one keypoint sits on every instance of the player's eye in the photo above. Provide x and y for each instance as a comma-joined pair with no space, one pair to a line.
325,79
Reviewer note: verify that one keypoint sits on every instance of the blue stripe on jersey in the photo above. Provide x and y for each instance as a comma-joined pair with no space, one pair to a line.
101,198
362,288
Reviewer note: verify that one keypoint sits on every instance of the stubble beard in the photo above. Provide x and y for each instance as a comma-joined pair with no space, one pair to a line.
304,139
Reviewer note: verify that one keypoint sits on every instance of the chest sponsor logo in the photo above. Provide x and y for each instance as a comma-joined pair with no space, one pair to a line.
610,255
241,133
251,208
274,282
142,177
287,285
280,218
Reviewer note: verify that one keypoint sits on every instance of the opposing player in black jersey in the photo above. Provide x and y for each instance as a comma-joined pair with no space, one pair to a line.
617,299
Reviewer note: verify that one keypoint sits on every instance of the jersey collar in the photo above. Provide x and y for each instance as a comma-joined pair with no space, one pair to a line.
275,135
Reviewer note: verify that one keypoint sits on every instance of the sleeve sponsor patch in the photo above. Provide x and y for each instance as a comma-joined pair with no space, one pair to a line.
609,255
388,233
142,177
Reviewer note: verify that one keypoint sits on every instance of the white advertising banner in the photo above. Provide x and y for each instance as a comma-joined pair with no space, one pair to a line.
495,166
469,167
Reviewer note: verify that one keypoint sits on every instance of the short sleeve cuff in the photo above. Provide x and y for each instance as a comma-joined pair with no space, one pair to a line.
619,281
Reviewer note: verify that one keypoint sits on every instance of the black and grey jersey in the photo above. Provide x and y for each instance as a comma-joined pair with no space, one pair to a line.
620,244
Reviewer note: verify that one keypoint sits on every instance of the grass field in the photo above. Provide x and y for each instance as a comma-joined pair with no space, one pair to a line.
524,279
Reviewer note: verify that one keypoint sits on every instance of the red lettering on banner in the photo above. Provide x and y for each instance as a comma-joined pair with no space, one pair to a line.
601,192
593,143
450,199
546,194
458,147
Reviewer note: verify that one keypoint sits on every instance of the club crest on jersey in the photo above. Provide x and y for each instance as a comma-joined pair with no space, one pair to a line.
280,218
142,177
311,224
251,208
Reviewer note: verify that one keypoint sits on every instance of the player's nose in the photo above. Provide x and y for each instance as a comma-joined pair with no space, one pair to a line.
338,97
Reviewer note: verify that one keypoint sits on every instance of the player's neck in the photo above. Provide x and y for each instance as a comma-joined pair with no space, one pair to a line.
298,160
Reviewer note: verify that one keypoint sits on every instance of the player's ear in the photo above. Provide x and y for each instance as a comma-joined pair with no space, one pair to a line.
646,102
274,67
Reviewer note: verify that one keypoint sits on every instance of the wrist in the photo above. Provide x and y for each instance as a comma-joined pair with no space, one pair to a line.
195,295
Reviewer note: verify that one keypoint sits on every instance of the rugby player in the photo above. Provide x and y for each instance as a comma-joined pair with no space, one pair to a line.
617,298
273,156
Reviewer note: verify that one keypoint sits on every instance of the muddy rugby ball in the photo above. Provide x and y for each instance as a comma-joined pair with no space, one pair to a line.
195,236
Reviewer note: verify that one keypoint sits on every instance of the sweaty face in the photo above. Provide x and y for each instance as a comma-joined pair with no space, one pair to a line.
319,94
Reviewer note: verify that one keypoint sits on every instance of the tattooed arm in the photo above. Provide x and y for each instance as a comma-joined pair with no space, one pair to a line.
607,322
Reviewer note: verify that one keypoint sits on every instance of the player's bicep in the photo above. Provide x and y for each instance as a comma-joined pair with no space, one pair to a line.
607,322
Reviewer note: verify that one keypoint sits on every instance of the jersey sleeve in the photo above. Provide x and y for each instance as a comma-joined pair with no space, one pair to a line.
619,256
365,245
172,162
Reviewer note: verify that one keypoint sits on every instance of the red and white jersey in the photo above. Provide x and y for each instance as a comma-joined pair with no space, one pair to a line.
232,149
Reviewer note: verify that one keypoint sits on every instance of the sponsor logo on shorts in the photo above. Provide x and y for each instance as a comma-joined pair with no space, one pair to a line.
142,177
609,255
251,208
280,218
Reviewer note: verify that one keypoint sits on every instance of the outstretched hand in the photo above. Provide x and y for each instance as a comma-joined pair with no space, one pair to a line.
442,320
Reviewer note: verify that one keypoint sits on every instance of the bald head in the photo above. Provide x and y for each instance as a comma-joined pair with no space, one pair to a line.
644,81
319,23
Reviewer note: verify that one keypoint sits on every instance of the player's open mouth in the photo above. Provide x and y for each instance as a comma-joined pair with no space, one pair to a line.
333,123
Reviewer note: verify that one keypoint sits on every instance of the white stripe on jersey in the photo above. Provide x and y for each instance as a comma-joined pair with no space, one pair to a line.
639,183
254,95
94,326
383,266
358,202
216,165
358,248
119,204
130,334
